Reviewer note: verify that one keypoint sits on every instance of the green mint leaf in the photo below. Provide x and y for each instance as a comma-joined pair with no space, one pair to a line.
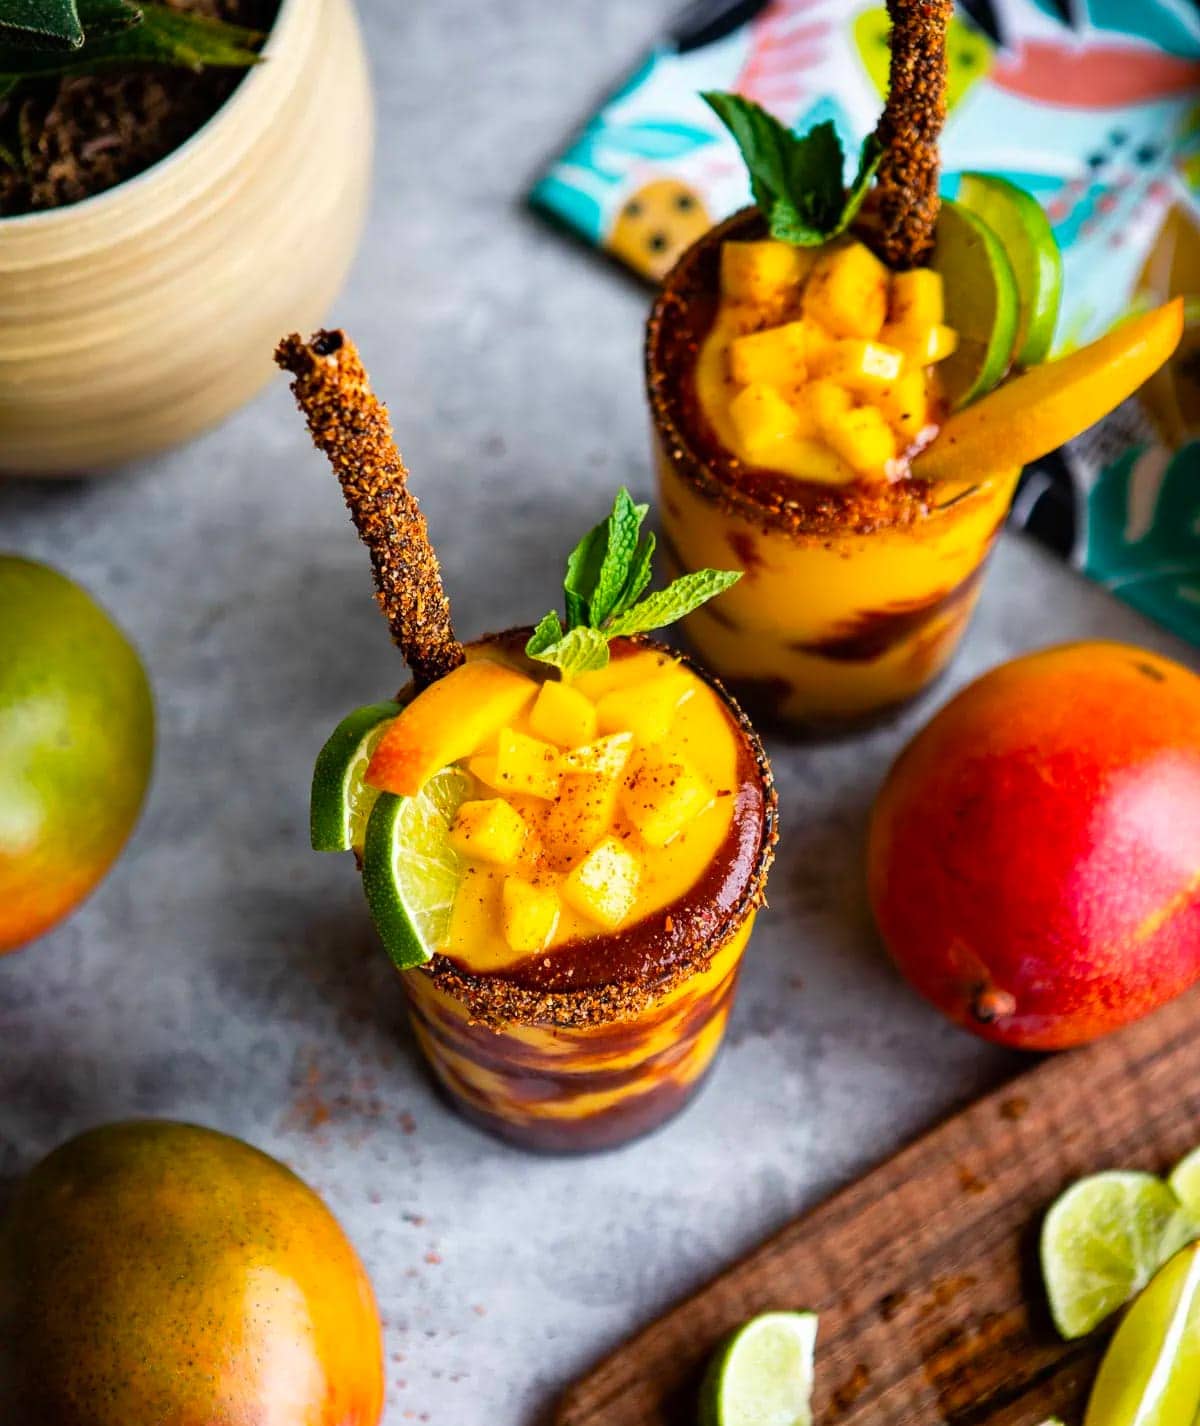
665,606
549,631
639,574
623,526
578,651
42,24
164,36
763,140
788,226
583,570
797,180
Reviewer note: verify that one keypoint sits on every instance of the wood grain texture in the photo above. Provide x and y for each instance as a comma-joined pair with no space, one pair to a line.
133,320
925,1272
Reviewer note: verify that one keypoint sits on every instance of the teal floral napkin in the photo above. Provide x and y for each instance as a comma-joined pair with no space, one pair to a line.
1091,105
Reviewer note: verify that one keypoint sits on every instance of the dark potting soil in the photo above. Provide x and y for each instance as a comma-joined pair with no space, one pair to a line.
80,134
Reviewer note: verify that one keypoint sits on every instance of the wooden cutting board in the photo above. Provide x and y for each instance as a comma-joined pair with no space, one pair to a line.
925,1273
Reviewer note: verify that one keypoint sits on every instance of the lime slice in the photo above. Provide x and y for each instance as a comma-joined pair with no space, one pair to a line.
981,303
341,801
1184,1182
763,1375
1020,222
1150,1375
1102,1242
410,871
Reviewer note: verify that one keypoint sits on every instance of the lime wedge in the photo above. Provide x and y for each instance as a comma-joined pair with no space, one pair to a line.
1020,222
341,801
1150,1375
1184,1182
981,303
763,1375
410,871
1102,1242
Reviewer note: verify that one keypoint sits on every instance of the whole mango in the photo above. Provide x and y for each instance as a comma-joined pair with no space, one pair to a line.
154,1272
1034,855
76,745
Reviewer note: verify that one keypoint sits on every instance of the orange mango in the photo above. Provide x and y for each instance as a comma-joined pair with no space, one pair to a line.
76,745
446,721
156,1272
1036,412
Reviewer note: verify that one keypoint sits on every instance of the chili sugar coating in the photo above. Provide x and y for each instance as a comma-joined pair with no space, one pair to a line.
351,426
907,184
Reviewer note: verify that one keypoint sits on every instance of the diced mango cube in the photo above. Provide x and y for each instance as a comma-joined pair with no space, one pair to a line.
579,816
763,272
529,914
922,347
662,795
905,404
847,291
774,357
603,886
828,403
916,300
801,403
811,459
562,715
488,831
864,440
646,710
606,757
862,367
521,764
761,416
445,722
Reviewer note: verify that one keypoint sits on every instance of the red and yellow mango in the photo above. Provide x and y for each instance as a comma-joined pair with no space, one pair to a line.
1034,855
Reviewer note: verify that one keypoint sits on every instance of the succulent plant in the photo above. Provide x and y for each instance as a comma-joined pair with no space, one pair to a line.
41,39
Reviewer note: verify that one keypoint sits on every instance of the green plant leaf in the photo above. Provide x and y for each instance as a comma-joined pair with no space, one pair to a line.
548,632
624,524
583,570
665,606
42,24
798,180
164,36
640,569
607,573
578,651
107,17
598,566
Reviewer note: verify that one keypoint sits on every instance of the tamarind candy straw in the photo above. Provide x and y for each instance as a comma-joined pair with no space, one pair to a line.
907,183
350,424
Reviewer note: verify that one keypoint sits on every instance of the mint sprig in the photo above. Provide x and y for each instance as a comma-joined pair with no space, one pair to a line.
607,574
797,180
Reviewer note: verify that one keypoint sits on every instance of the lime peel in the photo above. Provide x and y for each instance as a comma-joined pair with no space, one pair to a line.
763,1374
982,304
1184,1182
341,801
410,871
1102,1242
1021,224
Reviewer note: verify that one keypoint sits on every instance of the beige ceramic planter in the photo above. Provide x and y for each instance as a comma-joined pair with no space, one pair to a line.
133,320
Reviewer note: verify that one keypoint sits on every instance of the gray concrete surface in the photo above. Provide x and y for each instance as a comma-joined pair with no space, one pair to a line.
226,974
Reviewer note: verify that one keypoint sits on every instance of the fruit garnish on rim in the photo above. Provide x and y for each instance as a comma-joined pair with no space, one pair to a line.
845,380
844,338
566,825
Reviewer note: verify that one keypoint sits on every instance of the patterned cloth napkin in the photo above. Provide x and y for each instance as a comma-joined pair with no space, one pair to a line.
1091,105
